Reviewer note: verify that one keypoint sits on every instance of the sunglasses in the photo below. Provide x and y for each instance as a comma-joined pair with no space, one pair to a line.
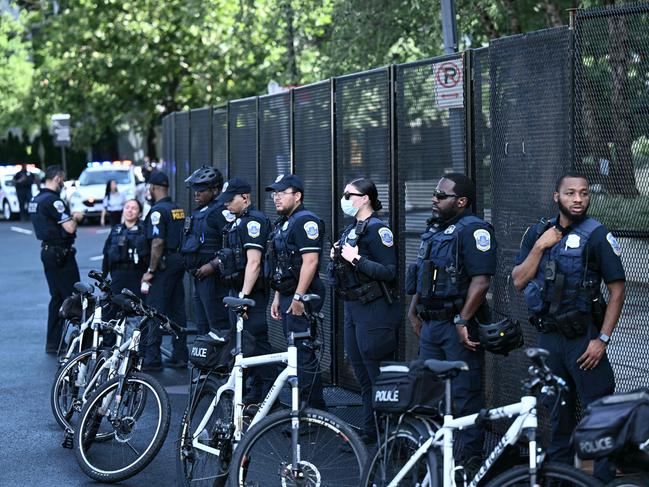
347,195
441,195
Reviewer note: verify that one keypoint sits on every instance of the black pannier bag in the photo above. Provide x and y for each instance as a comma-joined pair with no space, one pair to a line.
403,387
209,354
71,308
615,426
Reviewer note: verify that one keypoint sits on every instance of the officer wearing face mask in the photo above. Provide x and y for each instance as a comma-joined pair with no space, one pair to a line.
449,283
55,226
364,275
560,268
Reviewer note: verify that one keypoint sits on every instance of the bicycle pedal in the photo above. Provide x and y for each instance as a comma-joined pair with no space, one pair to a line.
67,441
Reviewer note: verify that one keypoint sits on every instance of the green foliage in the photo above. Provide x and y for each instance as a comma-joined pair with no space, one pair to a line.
15,70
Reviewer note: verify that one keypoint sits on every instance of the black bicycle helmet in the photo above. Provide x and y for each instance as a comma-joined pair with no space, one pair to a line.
205,177
502,336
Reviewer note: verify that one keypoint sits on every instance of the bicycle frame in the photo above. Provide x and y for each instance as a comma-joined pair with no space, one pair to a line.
525,423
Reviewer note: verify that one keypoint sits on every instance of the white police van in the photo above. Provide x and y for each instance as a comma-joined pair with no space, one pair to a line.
90,189
8,196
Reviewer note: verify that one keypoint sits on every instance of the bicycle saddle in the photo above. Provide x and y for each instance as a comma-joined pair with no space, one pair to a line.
445,369
83,288
310,298
232,302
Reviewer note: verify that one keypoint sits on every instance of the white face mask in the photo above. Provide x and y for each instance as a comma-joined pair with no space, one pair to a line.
348,207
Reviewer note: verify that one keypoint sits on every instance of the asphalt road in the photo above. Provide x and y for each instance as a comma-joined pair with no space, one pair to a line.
30,450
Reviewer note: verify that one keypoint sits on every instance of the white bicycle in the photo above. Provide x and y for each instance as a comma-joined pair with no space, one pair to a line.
305,447
410,452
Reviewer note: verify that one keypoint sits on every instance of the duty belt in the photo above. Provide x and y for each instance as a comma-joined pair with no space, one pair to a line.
571,324
61,245
440,310
124,266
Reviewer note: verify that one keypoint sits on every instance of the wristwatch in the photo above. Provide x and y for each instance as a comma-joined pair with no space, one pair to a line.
356,260
242,295
604,338
458,320
297,297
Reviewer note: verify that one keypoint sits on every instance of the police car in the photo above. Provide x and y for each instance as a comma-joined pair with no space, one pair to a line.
8,196
90,189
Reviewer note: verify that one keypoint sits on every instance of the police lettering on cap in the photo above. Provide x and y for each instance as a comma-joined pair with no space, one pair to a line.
234,187
287,181
158,178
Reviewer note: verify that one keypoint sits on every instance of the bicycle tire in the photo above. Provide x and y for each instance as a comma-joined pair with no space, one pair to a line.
331,453
65,394
633,480
549,474
140,391
197,467
394,450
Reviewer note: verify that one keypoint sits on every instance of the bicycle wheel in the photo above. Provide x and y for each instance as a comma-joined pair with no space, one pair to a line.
331,454
394,450
198,467
549,475
634,480
138,424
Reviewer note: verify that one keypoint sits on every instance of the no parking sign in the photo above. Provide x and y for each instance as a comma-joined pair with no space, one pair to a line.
449,83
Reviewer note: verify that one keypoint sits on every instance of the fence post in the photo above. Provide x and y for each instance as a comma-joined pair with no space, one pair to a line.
291,128
335,308
469,118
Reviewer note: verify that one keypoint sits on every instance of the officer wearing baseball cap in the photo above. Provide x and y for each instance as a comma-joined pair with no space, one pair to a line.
291,267
240,265
202,239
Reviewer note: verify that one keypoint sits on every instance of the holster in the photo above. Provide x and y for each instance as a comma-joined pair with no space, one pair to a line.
440,311
285,286
571,324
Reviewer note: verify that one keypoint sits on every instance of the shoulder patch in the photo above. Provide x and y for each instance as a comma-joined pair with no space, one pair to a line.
254,228
285,226
60,207
311,229
386,236
617,250
449,230
482,239
155,218
228,215
178,214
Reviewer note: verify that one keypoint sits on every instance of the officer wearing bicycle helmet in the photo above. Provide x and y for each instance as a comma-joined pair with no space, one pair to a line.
364,273
240,264
164,225
202,239
449,283
55,226
560,267
291,266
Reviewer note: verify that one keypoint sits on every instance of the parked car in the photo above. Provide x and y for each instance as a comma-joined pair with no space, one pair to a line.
8,196
88,192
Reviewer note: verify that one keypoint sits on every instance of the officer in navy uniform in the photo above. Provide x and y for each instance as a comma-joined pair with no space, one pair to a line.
56,228
240,264
364,274
203,238
164,226
292,262
126,250
449,283
564,300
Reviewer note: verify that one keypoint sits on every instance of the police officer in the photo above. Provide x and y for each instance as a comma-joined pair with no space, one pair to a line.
364,271
293,257
456,259
203,238
56,227
126,251
164,276
560,267
23,181
240,264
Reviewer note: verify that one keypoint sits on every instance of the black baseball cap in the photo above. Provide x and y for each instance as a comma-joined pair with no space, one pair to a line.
285,181
159,178
234,187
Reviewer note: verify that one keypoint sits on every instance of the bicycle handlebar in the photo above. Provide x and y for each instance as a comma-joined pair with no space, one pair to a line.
103,283
138,307
541,375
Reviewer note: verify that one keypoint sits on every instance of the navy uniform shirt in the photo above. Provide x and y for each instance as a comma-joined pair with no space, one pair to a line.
376,245
306,231
49,212
603,250
219,217
165,221
252,228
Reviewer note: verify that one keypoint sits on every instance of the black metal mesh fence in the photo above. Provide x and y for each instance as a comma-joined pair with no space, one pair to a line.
612,148
183,159
242,136
363,116
430,142
220,140
169,147
201,138
312,162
